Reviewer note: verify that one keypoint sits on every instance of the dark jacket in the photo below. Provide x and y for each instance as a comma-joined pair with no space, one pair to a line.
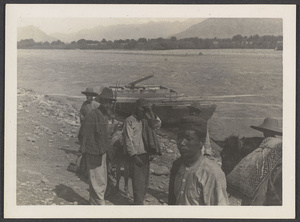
175,167
93,133
150,139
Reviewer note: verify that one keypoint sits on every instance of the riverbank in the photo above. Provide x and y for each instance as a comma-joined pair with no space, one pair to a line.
47,144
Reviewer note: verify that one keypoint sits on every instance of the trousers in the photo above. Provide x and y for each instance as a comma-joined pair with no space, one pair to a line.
140,179
97,178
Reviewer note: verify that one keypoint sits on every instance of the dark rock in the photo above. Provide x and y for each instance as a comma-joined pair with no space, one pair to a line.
153,167
173,141
148,199
31,139
50,109
74,130
44,180
72,123
161,201
160,186
161,170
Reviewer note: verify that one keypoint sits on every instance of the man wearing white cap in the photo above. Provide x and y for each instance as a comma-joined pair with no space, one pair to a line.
196,178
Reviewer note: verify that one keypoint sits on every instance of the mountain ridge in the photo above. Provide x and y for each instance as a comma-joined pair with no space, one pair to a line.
32,32
130,31
228,27
205,28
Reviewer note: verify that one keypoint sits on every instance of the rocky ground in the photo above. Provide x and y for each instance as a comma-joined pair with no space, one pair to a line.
46,145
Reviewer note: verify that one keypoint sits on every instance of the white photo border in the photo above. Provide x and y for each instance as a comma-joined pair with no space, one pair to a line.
286,12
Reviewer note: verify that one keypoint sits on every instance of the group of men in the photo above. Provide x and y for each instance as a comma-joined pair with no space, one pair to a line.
196,178
139,137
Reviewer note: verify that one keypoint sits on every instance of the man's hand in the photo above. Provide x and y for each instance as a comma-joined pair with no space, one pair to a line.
154,123
138,161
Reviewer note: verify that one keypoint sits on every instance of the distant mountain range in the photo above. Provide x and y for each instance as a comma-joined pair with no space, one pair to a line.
228,27
133,31
202,28
32,32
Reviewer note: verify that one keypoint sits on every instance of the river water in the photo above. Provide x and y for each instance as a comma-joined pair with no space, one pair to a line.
193,72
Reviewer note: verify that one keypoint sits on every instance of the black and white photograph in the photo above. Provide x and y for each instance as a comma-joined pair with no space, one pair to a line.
188,110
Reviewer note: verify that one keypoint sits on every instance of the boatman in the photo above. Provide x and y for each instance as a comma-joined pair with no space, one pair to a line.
94,141
89,104
195,179
86,107
141,143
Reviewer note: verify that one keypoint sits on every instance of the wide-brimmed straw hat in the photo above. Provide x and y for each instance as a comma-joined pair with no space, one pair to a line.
269,124
89,92
107,93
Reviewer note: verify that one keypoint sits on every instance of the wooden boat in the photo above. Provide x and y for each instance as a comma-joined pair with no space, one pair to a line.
170,105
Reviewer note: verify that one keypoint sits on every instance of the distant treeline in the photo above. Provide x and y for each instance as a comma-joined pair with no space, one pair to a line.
237,41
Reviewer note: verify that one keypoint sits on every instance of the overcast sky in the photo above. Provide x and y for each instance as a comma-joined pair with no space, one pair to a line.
69,25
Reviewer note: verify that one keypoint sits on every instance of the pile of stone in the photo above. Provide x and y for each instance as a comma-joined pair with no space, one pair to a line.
167,145
25,99
64,113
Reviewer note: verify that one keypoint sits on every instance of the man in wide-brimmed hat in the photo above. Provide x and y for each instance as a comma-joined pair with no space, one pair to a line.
94,141
269,127
89,104
257,178
86,107
196,178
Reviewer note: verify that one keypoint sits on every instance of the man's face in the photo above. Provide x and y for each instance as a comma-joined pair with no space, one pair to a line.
188,143
140,111
268,133
107,103
89,98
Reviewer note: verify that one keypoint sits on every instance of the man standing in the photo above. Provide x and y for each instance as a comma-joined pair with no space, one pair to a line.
195,179
134,128
94,140
89,104
86,107
257,178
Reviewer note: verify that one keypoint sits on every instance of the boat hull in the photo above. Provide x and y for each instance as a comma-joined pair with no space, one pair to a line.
169,105
170,114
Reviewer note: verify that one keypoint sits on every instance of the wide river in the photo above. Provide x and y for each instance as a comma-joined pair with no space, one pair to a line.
216,73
